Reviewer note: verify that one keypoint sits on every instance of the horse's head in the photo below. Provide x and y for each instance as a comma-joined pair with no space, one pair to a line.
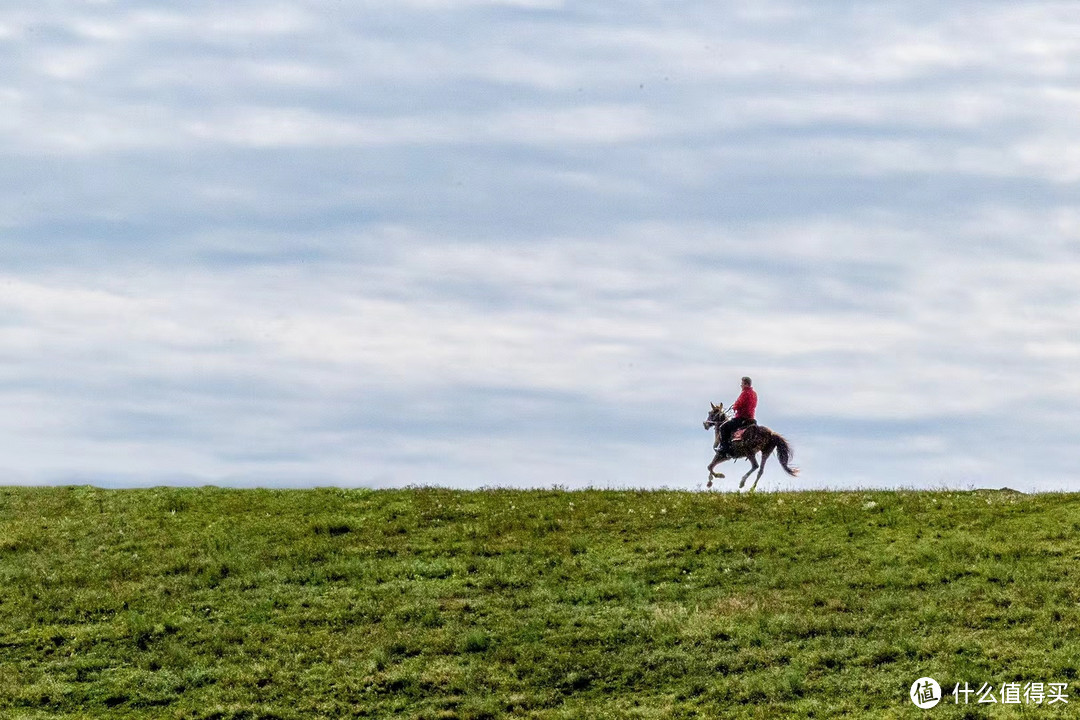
716,416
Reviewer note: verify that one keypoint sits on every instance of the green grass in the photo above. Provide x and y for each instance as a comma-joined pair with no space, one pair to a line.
209,603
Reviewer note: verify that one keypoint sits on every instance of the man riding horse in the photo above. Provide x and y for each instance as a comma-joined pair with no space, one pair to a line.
752,440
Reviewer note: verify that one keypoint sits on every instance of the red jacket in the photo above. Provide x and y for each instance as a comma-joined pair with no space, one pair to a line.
745,406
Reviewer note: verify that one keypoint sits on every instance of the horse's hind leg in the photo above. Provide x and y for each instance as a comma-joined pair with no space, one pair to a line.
752,457
764,456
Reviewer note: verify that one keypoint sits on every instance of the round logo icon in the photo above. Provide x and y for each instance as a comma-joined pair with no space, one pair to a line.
926,693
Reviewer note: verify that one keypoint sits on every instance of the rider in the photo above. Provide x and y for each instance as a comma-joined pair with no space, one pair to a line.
744,409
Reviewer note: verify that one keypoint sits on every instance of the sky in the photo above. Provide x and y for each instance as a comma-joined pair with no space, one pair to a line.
525,243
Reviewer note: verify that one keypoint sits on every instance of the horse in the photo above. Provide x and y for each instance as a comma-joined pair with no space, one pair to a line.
747,443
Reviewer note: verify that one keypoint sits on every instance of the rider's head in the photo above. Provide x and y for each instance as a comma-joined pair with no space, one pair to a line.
746,382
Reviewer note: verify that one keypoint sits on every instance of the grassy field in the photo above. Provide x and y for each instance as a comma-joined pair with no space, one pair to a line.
215,604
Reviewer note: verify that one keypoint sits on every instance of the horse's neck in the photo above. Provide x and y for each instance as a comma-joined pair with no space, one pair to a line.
716,427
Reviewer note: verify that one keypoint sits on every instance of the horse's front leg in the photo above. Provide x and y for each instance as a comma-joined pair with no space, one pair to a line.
717,459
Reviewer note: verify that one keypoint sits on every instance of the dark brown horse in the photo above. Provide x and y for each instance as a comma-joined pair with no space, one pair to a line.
747,443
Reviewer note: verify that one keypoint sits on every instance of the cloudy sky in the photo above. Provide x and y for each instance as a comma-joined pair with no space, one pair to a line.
526,242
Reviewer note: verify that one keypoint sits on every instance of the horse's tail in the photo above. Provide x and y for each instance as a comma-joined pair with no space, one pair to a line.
783,454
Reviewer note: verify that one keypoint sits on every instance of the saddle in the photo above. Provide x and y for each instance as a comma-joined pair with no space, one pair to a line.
736,438
738,434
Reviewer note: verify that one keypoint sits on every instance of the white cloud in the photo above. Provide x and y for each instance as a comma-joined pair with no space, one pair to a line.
297,127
